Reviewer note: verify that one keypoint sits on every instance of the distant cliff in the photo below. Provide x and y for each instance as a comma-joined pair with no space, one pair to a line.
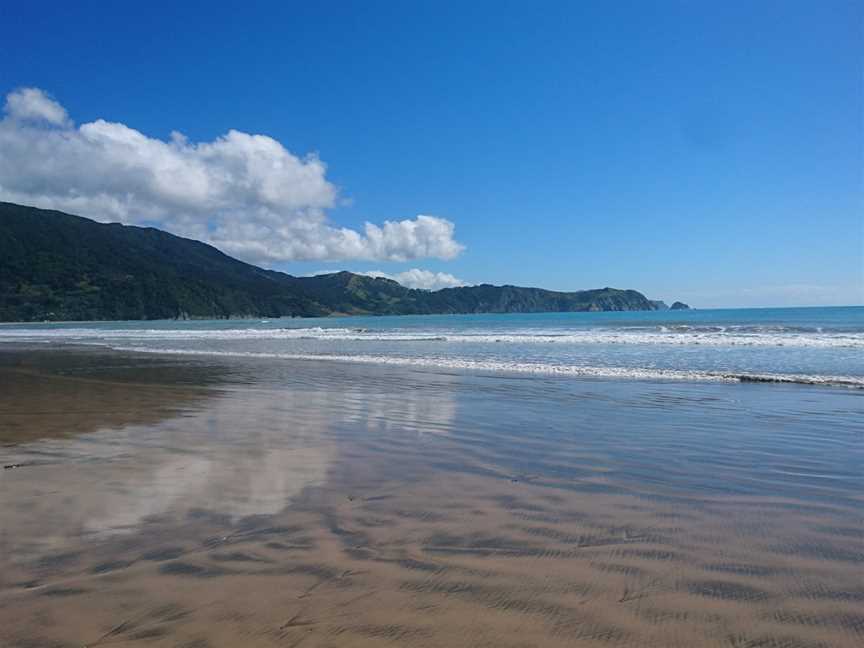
55,266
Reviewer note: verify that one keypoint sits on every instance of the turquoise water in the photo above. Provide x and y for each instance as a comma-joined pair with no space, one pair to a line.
808,345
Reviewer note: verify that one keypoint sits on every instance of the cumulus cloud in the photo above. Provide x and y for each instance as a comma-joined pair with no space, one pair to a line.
32,103
246,194
418,278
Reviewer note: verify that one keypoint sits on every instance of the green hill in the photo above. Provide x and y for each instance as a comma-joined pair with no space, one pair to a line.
55,266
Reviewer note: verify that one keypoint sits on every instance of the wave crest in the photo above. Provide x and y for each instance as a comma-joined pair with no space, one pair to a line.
496,366
670,336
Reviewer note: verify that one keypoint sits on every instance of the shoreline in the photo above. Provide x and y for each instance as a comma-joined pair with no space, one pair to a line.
589,373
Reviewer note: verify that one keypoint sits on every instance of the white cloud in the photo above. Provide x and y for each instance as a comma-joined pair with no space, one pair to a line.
246,194
33,104
417,278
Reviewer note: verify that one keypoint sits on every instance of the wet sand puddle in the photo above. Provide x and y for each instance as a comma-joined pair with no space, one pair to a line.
315,507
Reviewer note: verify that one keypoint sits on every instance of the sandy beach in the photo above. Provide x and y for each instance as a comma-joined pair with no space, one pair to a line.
205,502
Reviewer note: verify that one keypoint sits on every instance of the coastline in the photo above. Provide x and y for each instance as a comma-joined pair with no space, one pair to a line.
336,316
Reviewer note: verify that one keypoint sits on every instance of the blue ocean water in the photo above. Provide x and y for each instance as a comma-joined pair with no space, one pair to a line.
808,345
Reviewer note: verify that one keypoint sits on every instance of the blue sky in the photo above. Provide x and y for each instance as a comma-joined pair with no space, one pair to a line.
710,152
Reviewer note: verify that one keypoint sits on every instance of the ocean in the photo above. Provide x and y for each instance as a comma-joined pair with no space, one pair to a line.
794,345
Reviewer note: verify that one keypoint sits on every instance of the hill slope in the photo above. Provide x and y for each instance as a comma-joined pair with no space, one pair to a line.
58,266
62,267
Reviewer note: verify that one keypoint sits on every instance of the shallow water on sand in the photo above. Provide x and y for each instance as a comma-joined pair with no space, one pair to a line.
790,345
193,501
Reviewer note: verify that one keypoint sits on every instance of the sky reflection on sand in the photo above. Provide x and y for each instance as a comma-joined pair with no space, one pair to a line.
237,452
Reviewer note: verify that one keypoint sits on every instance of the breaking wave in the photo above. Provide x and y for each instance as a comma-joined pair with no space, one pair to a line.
633,373
671,336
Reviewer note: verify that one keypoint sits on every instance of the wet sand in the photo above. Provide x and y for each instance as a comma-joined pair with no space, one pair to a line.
197,503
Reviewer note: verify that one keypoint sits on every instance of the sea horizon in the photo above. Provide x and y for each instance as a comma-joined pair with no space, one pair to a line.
243,318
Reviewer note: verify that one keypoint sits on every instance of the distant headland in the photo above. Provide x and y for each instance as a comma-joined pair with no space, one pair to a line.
56,266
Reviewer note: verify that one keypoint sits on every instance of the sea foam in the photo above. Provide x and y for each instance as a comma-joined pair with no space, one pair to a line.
677,336
499,366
